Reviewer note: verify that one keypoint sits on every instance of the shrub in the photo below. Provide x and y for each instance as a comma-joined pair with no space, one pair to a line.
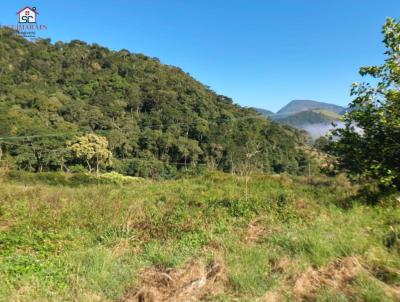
145,168
75,179
77,169
116,178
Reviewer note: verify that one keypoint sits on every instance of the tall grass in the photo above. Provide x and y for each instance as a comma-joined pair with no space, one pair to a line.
67,242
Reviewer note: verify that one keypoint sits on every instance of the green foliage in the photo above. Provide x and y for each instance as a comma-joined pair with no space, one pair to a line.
95,242
91,149
392,239
116,178
74,179
31,252
142,167
50,178
368,145
321,143
158,120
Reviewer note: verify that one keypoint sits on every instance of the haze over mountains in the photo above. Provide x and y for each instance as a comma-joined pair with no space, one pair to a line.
312,116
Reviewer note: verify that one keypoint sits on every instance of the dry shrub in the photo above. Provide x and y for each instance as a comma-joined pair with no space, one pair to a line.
93,297
190,283
272,296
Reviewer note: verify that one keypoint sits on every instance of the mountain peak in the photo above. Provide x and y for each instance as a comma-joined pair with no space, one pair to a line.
296,106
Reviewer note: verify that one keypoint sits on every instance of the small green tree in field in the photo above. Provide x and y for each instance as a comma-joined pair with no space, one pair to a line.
92,149
249,163
369,144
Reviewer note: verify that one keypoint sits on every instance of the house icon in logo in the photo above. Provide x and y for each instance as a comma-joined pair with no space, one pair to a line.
27,15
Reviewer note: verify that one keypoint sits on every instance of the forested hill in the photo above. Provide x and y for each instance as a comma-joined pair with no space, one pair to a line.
157,118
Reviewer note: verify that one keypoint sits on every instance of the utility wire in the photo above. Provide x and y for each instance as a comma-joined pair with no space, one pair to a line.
35,136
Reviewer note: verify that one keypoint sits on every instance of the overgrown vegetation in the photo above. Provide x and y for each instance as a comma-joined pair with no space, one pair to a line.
156,118
291,239
214,236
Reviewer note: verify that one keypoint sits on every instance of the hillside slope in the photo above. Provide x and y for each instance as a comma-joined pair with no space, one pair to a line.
156,117
316,116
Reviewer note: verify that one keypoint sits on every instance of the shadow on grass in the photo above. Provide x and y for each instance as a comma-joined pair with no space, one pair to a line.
367,197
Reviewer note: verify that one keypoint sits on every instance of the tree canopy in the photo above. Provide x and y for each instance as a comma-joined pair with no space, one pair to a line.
369,145
92,149
156,118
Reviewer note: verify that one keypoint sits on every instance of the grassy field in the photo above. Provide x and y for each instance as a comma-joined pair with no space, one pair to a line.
197,239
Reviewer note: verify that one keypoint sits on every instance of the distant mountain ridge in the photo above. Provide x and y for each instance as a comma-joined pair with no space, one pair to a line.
264,112
312,116
297,106
316,116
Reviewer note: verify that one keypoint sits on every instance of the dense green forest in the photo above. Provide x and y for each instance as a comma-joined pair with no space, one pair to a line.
156,118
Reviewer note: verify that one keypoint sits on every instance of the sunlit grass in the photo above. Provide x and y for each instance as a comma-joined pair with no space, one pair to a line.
91,242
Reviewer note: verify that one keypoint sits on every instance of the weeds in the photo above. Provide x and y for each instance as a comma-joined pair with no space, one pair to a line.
64,241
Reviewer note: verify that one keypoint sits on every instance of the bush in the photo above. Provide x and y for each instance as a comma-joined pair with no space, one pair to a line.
151,168
116,178
66,179
50,178
77,169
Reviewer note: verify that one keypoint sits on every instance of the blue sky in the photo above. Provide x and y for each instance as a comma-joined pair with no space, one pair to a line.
259,53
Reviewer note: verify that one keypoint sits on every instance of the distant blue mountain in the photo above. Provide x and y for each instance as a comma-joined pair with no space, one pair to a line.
297,106
314,117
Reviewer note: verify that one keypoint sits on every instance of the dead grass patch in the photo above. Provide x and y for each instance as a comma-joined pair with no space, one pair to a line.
272,296
255,232
5,225
122,248
337,276
190,283
282,266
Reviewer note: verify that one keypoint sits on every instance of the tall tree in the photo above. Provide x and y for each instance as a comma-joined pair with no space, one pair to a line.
92,149
368,146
